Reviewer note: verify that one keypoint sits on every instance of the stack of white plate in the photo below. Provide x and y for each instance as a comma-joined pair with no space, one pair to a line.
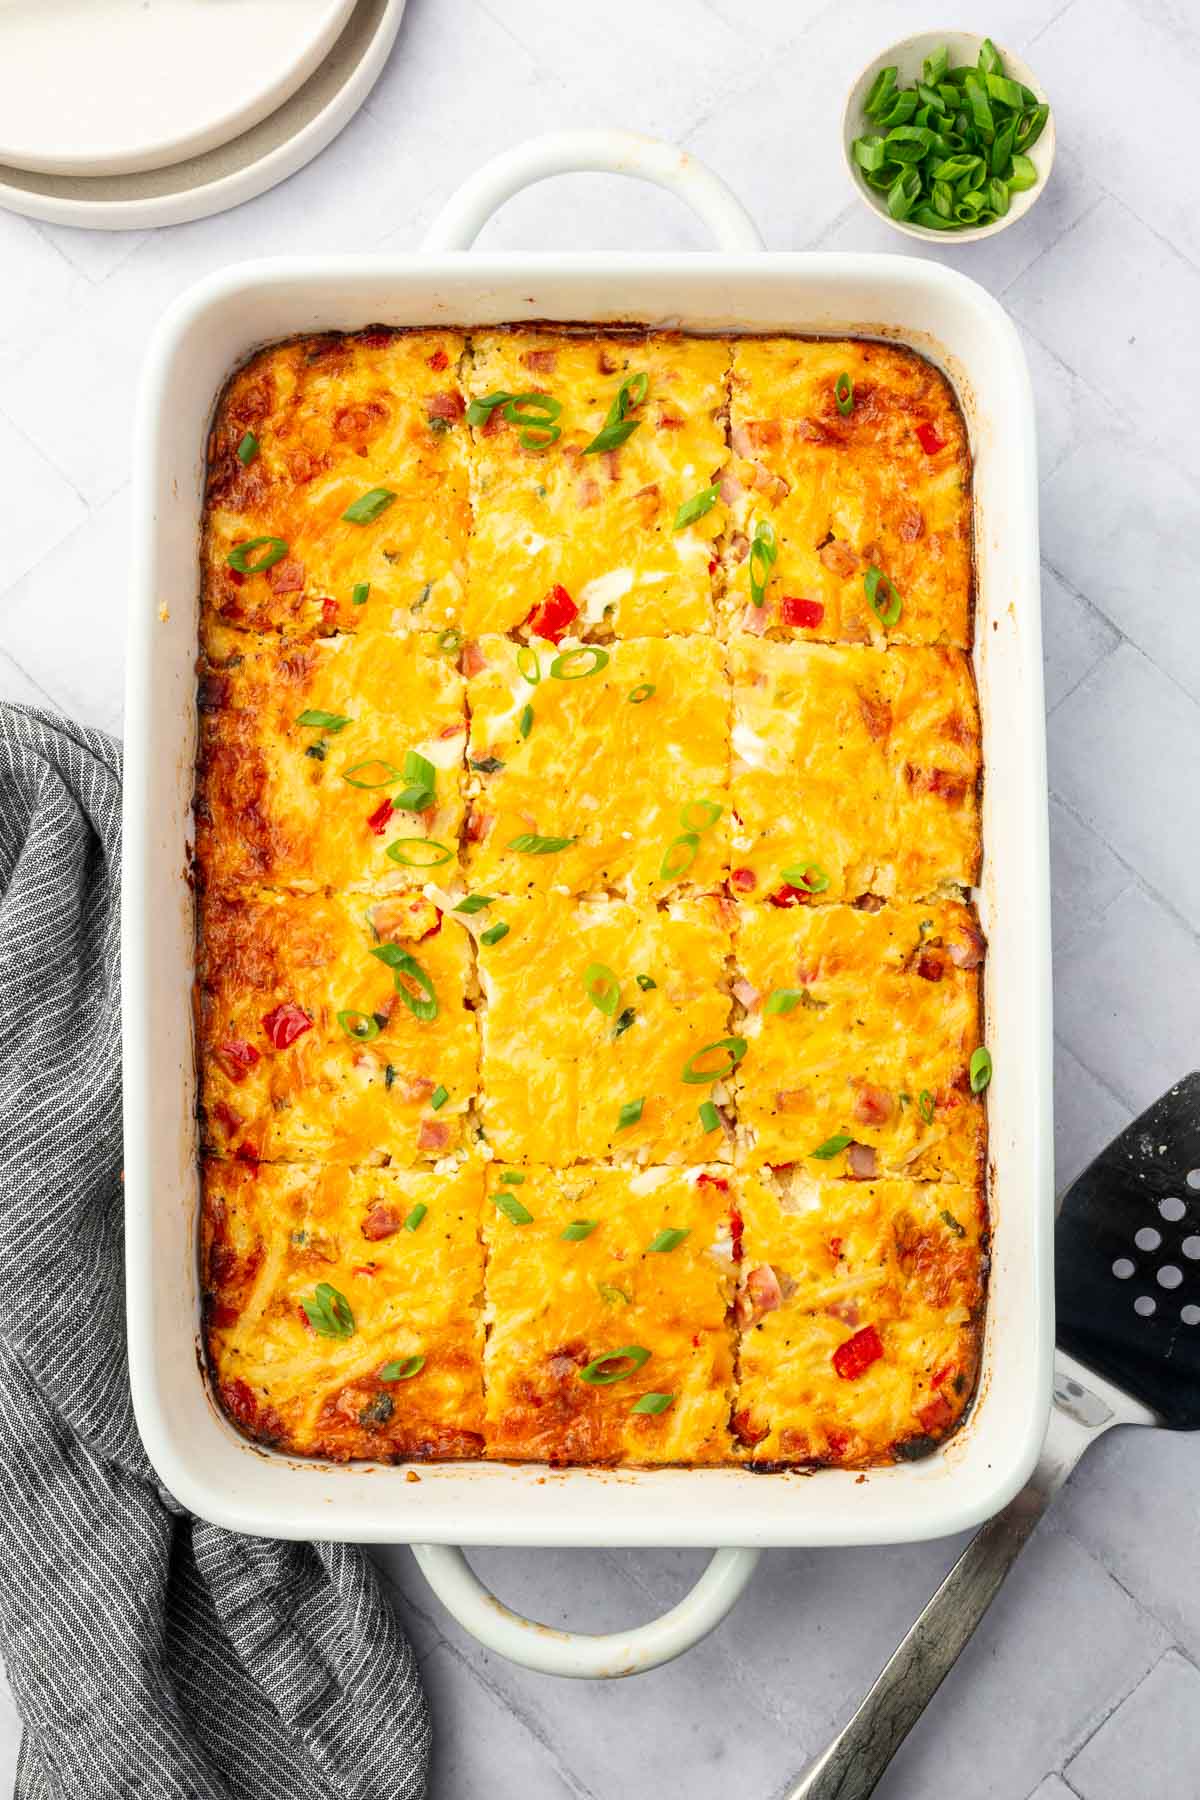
131,113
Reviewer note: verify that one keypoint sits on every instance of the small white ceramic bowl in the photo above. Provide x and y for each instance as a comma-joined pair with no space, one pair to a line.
908,55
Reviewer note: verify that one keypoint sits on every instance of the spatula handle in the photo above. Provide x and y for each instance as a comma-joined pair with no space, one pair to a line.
856,1759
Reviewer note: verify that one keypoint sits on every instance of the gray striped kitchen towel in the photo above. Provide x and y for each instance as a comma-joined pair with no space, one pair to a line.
149,1653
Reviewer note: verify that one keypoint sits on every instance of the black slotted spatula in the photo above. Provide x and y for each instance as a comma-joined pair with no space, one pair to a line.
1127,1292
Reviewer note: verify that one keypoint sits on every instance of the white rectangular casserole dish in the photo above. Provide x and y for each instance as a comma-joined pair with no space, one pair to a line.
211,329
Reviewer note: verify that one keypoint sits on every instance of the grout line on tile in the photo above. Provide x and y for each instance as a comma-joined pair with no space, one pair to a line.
1110,1711
54,704
1098,1079
1137,876
1056,244
1046,25
1135,1599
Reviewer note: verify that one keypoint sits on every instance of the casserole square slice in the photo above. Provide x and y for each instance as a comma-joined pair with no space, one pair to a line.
599,525
343,1308
861,1308
572,1278
309,1047
593,1010
860,765
887,485
863,1069
332,420
303,752
629,760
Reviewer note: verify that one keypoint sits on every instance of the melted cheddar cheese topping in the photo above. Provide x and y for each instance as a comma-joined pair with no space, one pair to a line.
587,980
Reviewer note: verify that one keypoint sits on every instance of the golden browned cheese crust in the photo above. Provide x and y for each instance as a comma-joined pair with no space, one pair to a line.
401,1251
586,961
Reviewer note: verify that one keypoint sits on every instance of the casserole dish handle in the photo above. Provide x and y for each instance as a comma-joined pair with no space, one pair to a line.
444,1566
581,1654
605,152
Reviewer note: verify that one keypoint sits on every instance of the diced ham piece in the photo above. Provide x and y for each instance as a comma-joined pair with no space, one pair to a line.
445,406
236,1057
433,1135
762,1294
788,1100
855,1356
612,464
876,716
862,1162
589,492
730,488
477,825
839,557
285,1023
745,995
739,545
745,1428
936,1414
801,614
870,903
845,1310
968,950
873,1105
756,619
553,614
382,1221
544,361
930,967
228,1117
286,576
473,659
910,525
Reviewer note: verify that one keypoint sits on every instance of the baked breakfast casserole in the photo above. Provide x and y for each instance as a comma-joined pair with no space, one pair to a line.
588,982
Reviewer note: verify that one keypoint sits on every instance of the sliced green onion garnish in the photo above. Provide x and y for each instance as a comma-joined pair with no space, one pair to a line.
810,877
359,595
696,507
618,425
653,1403
948,1219
630,1113
439,1097
474,903
354,775
843,393
613,1295
669,1238
449,642
328,1312
325,721
623,1021
512,1208
733,1049
415,1216
487,765
527,844
525,722
368,506
405,969
641,692
602,988
981,1069
646,982
247,450
577,1230
833,1146
419,853
763,551
528,665
481,410
698,815
360,1026
710,1118
494,933
403,1370
925,1105
782,1000
239,556
578,664
537,413
419,768
513,1175
415,798
679,856
606,1369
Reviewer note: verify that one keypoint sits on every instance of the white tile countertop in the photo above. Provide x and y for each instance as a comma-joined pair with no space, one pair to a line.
1084,1680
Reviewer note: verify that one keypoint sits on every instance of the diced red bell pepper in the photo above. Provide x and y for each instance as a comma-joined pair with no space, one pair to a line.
378,820
936,1414
328,612
744,880
284,1024
787,895
439,360
236,1057
737,1227
803,615
930,967
714,1181
551,616
855,1356
930,442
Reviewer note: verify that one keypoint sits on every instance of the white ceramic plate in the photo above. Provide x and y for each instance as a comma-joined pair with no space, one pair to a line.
109,87
247,165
